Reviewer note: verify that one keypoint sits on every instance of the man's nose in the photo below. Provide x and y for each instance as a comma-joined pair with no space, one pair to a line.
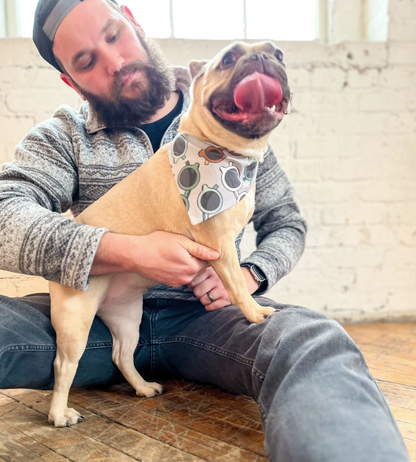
113,62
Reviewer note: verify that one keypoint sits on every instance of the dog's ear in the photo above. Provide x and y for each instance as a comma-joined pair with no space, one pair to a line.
196,67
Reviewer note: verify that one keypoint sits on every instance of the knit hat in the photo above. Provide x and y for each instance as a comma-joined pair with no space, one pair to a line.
48,16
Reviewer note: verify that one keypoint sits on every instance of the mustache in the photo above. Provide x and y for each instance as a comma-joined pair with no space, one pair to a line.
126,70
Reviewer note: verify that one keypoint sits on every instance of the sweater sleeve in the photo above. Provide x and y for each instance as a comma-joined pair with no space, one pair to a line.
281,230
35,188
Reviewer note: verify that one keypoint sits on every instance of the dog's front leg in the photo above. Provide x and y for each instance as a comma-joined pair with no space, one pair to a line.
229,271
72,313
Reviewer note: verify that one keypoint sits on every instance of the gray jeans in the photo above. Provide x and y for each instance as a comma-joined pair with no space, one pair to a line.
317,398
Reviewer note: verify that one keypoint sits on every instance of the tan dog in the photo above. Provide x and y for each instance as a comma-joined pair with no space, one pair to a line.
238,99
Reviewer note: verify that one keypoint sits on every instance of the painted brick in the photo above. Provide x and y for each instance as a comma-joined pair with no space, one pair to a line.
356,214
332,79
352,124
383,278
325,193
324,102
403,302
27,103
383,100
402,31
15,127
398,77
363,79
388,191
348,169
299,78
337,236
401,213
402,53
303,171
401,257
405,234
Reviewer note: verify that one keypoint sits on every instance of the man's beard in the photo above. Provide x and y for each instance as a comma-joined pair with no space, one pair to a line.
121,111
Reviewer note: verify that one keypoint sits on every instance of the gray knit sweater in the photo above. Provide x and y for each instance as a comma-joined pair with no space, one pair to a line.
71,160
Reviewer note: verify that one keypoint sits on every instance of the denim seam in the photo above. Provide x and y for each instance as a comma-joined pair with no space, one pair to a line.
259,375
90,346
153,349
208,347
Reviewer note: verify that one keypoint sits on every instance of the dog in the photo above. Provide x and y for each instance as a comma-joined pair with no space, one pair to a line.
238,98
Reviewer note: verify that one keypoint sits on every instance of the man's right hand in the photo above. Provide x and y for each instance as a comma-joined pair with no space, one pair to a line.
167,258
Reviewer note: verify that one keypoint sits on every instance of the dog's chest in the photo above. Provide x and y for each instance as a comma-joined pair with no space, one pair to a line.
125,288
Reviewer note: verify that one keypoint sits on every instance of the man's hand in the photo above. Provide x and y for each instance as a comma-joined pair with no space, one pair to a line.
208,281
167,258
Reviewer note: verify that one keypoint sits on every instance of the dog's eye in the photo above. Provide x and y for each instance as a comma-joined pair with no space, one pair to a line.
279,55
228,60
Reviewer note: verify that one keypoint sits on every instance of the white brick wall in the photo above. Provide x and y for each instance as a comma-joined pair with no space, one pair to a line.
349,148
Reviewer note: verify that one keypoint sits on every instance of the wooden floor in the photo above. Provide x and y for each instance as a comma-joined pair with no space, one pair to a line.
189,422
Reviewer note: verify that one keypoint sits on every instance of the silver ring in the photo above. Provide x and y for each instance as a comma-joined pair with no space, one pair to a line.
210,296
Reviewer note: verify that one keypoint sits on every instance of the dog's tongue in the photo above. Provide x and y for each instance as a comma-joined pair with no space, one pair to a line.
257,91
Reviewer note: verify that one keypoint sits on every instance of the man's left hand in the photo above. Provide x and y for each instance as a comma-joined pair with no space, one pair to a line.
208,281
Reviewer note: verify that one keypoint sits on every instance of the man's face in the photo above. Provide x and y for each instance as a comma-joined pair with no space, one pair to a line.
110,64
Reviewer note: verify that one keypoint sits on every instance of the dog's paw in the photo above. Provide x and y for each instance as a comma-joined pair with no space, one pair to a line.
261,313
150,389
66,419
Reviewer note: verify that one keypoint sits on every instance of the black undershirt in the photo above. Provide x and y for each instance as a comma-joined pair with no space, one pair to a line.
156,130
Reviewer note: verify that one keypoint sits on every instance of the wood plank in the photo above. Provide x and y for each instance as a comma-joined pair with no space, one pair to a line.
4,400
144,426
397,389
105,431
17,447
201,413
62,441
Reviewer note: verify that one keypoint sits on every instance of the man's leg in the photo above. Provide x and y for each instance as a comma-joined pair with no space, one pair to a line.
318,401
28,347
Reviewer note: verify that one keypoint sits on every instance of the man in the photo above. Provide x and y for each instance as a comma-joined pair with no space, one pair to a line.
317,399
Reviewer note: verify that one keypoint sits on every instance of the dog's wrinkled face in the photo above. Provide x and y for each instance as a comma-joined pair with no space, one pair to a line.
244,88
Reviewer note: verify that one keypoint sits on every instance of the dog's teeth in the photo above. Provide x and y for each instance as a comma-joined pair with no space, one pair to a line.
273,108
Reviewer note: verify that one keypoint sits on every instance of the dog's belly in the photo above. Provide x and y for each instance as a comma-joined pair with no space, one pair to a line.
125,288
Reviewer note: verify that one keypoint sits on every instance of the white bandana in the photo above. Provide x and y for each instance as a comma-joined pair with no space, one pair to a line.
209,178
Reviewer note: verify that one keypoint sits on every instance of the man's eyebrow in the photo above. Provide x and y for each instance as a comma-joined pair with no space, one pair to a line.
81,53
107,25
78,56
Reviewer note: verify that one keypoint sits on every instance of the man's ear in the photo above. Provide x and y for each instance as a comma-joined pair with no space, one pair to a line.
130,16
196,67
70,83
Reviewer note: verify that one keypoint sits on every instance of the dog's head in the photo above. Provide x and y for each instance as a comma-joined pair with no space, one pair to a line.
240,96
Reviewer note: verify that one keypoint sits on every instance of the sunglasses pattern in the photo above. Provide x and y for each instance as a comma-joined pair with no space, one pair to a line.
209,178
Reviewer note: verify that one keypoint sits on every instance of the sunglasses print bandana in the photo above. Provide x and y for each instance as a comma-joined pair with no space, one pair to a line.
209,178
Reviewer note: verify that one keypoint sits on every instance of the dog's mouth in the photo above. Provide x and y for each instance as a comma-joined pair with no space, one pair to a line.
256,99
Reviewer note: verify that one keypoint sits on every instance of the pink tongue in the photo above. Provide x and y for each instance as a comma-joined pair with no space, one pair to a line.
257,91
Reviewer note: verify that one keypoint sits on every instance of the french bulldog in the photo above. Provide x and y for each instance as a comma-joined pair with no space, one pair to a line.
238,98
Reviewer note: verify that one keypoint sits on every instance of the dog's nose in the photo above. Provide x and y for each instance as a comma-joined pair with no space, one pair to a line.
258,56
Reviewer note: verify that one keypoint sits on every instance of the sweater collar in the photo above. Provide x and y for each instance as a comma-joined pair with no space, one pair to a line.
183,81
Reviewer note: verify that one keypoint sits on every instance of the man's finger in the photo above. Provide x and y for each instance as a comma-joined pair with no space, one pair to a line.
220,303
200,277
200,251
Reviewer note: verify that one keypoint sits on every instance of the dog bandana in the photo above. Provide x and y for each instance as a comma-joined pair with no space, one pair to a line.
209,178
